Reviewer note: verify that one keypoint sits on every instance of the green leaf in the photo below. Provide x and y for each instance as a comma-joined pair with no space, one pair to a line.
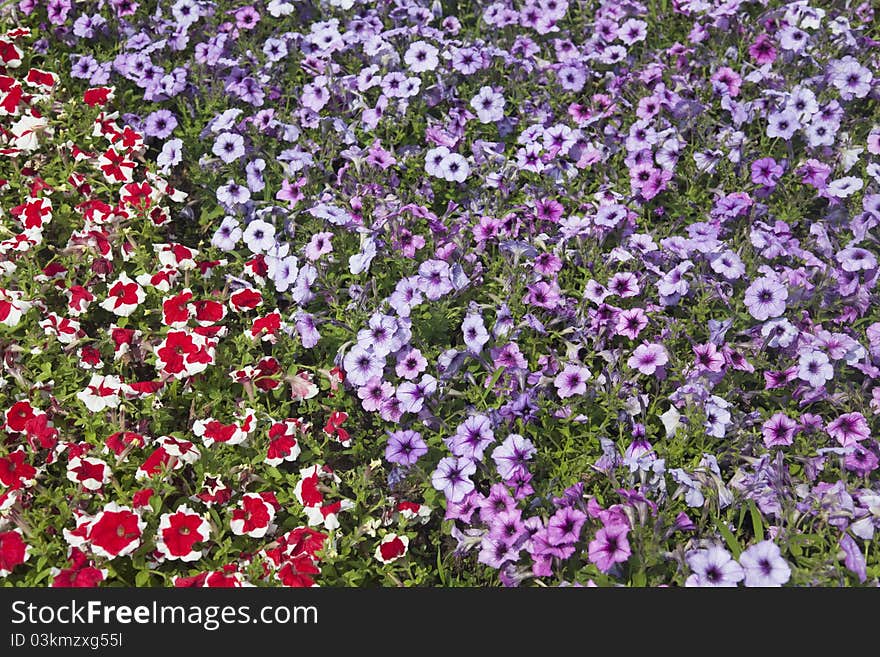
729,538
757,524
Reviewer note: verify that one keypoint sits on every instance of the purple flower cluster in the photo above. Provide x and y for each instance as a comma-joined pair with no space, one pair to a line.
590,254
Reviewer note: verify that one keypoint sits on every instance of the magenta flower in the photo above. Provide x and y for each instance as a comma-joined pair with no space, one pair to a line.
648,358
849,429
631,322
405,447
572,380
565,525
609,547
779,430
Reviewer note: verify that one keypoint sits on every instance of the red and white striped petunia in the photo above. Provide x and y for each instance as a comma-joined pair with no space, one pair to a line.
246,299
89,472
98,96
116,531
392,547
254,515
124,296
179,532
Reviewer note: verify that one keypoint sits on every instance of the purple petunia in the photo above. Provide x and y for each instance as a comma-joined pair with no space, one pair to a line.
765,298
452,477
160,124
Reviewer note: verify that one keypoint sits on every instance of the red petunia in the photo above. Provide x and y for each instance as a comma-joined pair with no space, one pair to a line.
40,78
115,166
90,473
391,548
334,427
18,415
213,490
211,431
176,309
282,442
116,531
209,312
298,572
10,55
13,551
267,327
82,573
253,517
179,532
98,96
123,296
246,299
15,471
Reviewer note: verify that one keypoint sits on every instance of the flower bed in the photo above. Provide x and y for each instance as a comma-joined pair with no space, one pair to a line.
337,293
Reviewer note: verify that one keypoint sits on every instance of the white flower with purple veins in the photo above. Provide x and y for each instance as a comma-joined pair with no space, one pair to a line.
185,12
228,146
632,31
766,298
528,158
572,380
513,455
717,416
856,259
275,49
227,235
361,365
713,567
802,101
452,477
171,155
283,270
779,332
225,121
308,332
489,105
331,213
844,187
421,56
729,265
314,95
412,395
815,368
454,168
434,160
360,262
673,284
475,333
783,124
380,335
851,78
764,566
232,194
610,215
435,279
259,236
793,38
